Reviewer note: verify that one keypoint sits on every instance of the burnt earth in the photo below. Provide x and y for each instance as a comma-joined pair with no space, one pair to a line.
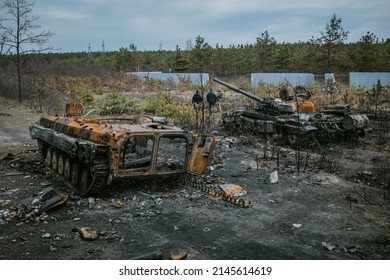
337,207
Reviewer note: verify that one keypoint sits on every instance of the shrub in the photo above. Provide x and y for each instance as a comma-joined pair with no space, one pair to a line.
162,105
159,104
115,102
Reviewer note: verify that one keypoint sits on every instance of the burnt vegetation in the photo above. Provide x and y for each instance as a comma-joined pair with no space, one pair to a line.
348,180
100,81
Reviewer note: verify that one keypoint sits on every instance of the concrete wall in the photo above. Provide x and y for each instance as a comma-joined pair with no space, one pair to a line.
195,78
368,79
303,79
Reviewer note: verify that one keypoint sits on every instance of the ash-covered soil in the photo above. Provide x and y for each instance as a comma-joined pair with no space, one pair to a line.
336,207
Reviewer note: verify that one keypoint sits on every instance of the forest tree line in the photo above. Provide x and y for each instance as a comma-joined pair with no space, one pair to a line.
23,69
369,54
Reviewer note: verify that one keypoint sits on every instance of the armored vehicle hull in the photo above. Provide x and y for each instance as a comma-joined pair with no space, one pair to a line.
91,152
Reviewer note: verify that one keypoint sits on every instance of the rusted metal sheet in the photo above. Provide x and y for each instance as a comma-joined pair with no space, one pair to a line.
47,199
202,154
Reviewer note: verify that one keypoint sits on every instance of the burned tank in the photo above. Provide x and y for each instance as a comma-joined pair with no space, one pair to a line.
295,118
92,151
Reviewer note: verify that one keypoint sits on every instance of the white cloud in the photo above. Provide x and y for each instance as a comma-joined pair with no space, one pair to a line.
147,23
62,14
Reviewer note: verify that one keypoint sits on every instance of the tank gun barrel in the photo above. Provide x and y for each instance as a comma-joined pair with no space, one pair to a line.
236,89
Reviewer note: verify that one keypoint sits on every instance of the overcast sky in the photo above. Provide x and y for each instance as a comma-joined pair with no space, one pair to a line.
163,24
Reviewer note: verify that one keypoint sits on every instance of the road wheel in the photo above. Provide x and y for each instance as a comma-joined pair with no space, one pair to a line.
84,183
54,160
67,169
48,158
61,163
74,174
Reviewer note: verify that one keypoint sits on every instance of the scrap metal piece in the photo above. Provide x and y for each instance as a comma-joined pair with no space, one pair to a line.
45,200
213,190
233,189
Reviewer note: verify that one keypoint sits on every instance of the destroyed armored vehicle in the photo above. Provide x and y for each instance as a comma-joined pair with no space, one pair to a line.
295,118
91,152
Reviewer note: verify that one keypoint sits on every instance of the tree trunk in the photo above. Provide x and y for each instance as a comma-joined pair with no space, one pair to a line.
18,66
19,73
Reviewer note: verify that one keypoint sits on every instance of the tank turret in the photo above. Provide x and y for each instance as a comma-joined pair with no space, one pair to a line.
236,89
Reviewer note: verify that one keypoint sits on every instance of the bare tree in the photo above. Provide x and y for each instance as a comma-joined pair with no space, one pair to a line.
2,39
20,33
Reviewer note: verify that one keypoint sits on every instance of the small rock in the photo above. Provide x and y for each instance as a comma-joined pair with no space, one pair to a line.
317,182
88,234
117,203
115,221
91,203
261,164
57,237
45,184
53,248
351,249
273,177
46,235
328,246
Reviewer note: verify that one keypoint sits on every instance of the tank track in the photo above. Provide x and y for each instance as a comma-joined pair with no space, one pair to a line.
100,172
329,131
202,185
84,178
243,123
81,177
236,122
